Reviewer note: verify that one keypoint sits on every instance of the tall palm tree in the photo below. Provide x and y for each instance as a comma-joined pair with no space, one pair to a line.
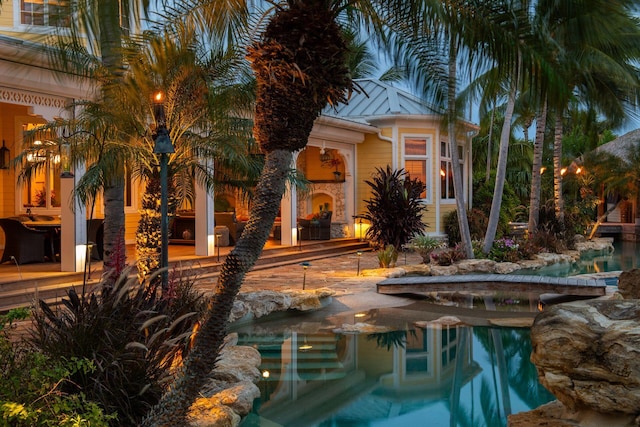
300,63
594,47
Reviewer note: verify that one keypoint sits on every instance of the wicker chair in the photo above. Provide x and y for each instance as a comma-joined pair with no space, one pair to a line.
316,229
22,243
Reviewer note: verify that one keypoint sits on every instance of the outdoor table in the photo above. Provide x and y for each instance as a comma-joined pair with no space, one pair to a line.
53,234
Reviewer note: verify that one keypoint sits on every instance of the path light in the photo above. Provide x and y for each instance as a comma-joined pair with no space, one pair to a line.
164,147
359,253
218,236
304,265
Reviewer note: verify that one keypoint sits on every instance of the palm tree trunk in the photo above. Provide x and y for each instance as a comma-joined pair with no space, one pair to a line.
501,172
194,373
463,223
557,170
114,245
489,143
536,173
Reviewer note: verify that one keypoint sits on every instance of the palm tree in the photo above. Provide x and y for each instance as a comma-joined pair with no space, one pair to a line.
300,63
593,54
208,100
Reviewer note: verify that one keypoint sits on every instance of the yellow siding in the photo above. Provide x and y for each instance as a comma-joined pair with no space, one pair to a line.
372,153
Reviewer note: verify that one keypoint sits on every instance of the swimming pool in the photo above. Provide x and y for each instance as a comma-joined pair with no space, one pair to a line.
439,375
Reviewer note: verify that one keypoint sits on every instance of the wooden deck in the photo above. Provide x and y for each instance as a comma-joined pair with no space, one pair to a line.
493,282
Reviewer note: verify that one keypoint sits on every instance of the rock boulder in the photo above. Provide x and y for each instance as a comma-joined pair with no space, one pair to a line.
587,355
629,284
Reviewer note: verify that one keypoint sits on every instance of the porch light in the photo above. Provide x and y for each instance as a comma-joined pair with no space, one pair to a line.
65,160
4,156
563,171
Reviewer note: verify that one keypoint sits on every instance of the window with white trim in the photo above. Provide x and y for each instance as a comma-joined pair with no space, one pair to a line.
447,191
417,150
51,13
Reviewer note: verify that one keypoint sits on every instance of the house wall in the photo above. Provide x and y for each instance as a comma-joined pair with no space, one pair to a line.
372,153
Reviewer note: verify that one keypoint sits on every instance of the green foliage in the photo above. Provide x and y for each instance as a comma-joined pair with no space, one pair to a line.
476,219
31,385
394,209
483,198
448,256
424,245
132,335
388,257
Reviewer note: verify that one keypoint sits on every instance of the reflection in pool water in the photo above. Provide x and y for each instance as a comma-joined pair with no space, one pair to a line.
438,376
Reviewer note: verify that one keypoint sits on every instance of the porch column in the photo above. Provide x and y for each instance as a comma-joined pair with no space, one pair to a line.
288,214
349,188
205,227
73,226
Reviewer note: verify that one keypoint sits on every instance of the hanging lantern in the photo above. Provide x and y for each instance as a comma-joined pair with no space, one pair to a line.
4,156
65,160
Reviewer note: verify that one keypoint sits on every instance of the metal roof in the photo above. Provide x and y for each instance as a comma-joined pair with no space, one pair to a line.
375,99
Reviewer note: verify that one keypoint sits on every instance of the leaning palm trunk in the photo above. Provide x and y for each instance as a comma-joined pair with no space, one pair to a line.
501,172
300,65
601,219
536,173
463,222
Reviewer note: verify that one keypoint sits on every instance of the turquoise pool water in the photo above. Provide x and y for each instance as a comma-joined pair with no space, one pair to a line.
438,376
626,256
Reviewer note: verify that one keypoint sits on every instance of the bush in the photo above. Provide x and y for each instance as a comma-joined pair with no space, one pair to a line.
394,209
130,333
31,385
424,245
388,257
504,250
477,220
448,256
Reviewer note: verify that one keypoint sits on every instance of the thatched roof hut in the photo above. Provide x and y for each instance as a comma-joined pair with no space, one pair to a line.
619,147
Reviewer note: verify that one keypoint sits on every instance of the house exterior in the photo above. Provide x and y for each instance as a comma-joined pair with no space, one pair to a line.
381,126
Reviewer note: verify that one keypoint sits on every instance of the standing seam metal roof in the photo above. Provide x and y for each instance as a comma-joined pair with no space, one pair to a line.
380,99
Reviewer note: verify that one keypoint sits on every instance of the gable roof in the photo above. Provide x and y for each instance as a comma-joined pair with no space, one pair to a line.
619,147
378,99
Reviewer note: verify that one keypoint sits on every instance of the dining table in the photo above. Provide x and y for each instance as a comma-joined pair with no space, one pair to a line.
53,235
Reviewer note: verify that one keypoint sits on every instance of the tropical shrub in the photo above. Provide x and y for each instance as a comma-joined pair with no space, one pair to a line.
31,385
477,220
448,256
132,334
394,209
424,245
504,250
388,257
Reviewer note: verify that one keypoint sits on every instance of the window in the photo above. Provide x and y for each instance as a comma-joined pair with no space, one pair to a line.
53,13
446,171
416,160
42,189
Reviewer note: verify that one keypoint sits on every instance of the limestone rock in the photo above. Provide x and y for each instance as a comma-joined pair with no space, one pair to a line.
507,267
444,270
239,397
587,352
261,303
238,364
444,321
468,266
206,413
629,284
550,258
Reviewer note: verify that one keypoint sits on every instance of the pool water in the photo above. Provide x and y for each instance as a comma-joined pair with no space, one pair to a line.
440,375
436,376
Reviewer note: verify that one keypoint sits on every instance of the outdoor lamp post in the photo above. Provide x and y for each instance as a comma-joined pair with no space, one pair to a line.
164,147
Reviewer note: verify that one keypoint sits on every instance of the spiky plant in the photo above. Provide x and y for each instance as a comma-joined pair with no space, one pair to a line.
395,208
130,332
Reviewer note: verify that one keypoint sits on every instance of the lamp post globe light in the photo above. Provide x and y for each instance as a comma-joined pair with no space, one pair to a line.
164,147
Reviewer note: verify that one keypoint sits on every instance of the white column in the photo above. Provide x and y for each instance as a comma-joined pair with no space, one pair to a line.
288,214
73,219
205,234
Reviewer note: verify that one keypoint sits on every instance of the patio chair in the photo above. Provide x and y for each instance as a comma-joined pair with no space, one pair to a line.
22,243
95,236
